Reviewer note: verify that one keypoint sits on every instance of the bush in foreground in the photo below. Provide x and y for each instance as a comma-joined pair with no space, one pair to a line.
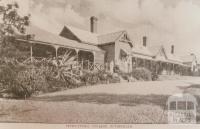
98,77
30,81
142,74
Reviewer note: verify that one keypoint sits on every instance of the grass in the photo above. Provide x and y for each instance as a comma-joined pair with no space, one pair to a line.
89,108
93,108
122,100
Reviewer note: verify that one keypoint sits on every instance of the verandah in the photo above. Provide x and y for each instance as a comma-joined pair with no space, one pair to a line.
61,55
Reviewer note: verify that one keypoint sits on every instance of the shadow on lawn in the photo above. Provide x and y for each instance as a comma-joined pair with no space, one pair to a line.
123,100
195,86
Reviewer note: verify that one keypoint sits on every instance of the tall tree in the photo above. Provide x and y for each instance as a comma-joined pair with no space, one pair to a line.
12,24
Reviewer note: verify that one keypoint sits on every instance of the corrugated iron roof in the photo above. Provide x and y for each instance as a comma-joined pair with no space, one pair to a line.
48,37
187,58
83,35
155,49
110,37
93,38
174,58
171,58
142,50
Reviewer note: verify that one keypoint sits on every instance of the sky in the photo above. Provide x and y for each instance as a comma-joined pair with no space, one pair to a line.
164,22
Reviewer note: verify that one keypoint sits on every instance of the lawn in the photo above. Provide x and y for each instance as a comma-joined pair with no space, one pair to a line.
140,102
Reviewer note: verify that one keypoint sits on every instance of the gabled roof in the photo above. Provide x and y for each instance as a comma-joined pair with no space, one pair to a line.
173,58
142,50
84,36
44,36
187,58
110,37
92,38
190,59
157,49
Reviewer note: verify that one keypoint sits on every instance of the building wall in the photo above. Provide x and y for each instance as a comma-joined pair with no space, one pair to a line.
109,52
121,45
124,66
99,57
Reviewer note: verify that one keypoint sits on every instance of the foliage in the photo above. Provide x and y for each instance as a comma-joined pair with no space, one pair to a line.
12,25
29,81
125,76
12,20
7,76
11,51
154,76
90,77
142,74
113,78
98,77
17,74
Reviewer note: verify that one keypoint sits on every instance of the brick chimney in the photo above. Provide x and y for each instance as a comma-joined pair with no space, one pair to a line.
93,24
172,49
144,39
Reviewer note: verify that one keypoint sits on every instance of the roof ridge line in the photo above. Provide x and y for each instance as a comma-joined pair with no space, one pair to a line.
111,33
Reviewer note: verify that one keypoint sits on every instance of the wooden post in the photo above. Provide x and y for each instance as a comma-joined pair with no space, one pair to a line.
151,65
157,67
31,49
93,67
167,68
136,61
71,69
82,63
88,64
160,67
144,63
77,51
77,63
56,52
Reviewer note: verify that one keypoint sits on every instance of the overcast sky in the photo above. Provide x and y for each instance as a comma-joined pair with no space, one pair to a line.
164,22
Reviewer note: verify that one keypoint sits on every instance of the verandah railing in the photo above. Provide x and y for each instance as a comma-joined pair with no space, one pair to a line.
74,65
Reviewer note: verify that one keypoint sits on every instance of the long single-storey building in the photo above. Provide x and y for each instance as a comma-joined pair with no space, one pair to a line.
102,50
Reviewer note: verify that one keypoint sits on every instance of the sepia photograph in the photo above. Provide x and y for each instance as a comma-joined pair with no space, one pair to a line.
100,63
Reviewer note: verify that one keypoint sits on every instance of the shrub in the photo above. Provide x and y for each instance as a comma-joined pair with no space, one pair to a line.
125,76
90,77
98,77
7,76
154,76
30,81
113,78
142,74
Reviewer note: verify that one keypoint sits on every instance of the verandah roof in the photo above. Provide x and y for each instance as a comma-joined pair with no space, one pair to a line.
142,56
45,37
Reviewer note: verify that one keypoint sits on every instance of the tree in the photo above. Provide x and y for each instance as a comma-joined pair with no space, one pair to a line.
12,20
12,24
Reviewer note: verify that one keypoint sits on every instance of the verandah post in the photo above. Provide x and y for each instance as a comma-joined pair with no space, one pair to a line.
56,52
136,62
31,50
77,60
88,63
